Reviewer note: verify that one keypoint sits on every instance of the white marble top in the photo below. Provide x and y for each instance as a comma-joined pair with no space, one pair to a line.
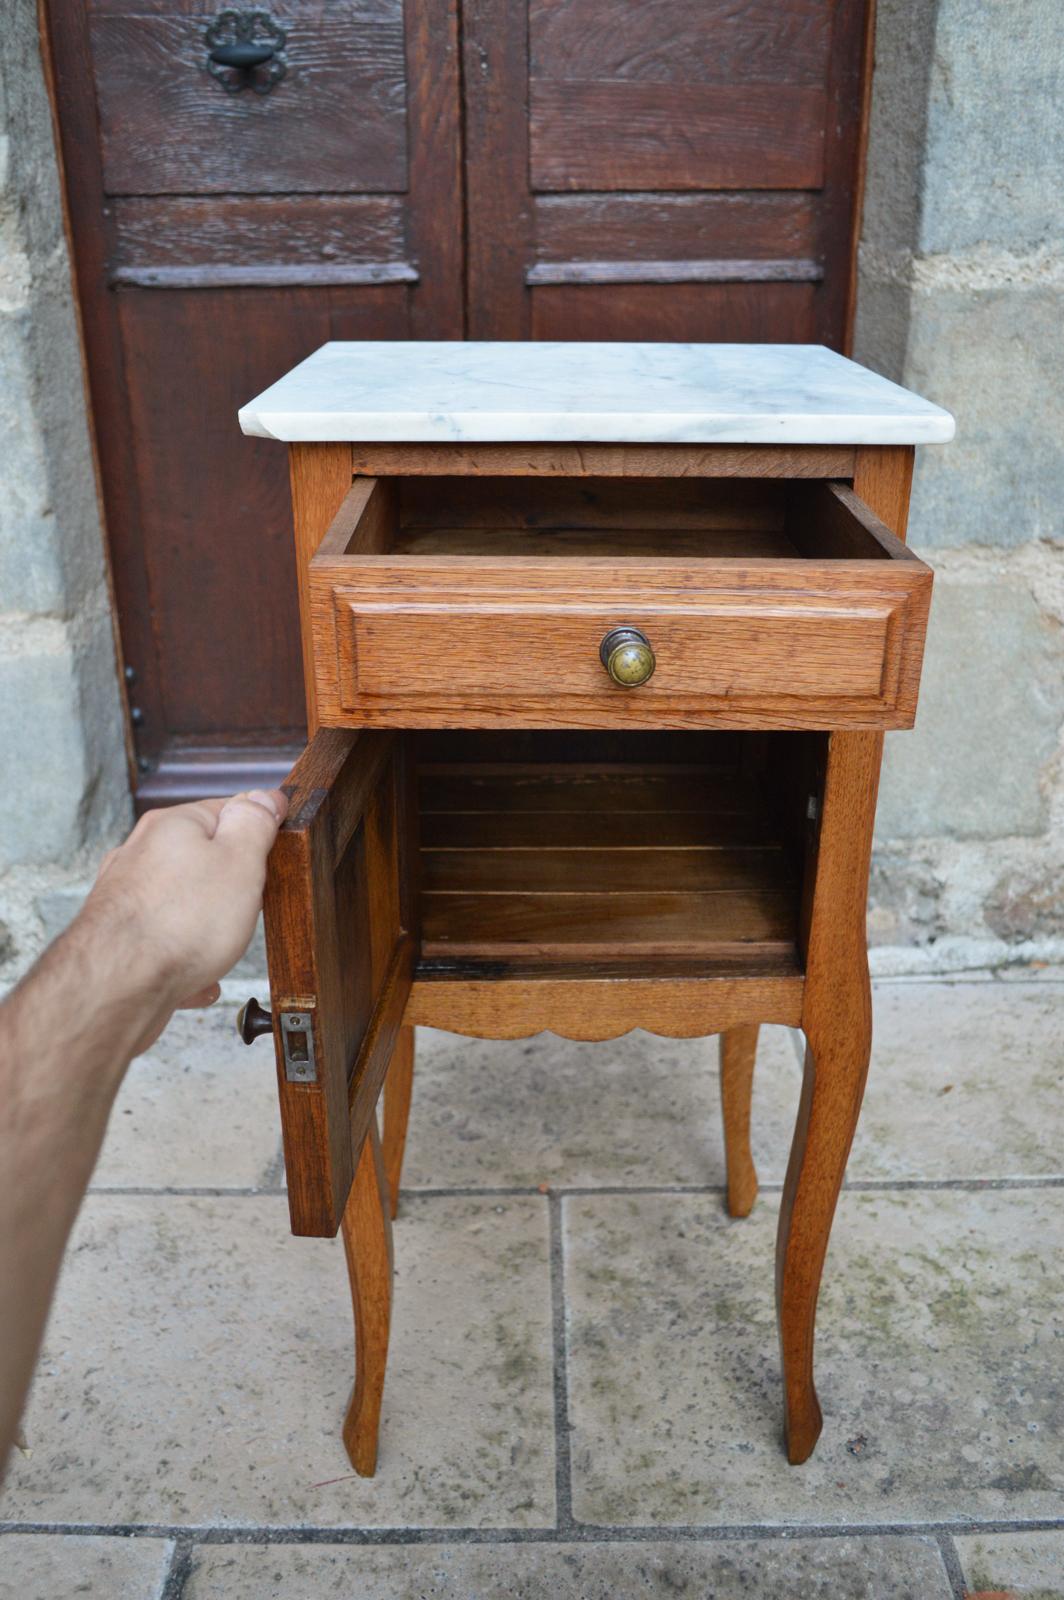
445,393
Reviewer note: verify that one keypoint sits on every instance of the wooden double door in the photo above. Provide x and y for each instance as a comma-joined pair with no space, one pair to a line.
425,169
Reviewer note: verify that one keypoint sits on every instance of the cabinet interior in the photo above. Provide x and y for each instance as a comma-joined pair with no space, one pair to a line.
662,852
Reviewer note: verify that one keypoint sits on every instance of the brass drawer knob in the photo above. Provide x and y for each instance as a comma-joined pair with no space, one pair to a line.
627,656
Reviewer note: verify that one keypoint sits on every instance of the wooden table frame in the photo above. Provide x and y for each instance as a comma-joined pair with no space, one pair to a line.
829,1000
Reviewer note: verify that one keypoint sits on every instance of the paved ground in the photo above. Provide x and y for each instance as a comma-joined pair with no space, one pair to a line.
583,1390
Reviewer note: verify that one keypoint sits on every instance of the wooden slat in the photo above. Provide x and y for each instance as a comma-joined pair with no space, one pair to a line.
587,791
605,925
604,503
629,543
618,227
551,871
781,269
253,232
582,830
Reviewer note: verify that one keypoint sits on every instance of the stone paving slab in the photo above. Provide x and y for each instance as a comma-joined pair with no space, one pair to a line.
46,1566
961,1080
636,1110
199,1110
199,1362
770,1569
941,1334
1029,1566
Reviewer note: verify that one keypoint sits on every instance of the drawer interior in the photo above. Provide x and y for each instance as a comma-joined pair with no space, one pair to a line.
661,519
655,851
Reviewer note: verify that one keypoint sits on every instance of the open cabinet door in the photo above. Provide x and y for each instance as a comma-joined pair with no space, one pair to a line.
340,908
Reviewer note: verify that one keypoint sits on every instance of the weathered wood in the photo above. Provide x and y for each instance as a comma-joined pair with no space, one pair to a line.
624,135
336,125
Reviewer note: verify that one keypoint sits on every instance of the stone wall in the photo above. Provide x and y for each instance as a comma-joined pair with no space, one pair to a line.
961,272
66,792
962,263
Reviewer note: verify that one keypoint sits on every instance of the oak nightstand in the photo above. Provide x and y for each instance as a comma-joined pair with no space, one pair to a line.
600,644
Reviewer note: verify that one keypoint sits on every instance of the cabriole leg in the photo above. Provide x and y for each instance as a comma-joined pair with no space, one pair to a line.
367,1230
398,1088
738,1048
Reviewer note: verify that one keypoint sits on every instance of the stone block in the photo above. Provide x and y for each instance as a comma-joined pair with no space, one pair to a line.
1021,1566
934,1109
728,1569
45,1566
937,1359
198,1363
60,734
43,741
199,1110
1027,905
991,705
993,357
995,138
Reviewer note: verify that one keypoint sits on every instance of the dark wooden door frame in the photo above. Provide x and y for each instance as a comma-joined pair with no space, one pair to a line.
468,136
164,772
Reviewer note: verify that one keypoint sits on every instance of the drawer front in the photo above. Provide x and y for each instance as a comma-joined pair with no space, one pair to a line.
451,641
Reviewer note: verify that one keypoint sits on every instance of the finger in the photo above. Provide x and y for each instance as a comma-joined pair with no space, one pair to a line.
249,822
201,999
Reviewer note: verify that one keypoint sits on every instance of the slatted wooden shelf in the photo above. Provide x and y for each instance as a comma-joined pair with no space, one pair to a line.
605,863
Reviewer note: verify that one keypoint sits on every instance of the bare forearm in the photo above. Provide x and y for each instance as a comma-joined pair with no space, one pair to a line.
170,912
67,1035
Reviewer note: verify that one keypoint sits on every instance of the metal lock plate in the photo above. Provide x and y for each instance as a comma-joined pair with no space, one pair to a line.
297,1038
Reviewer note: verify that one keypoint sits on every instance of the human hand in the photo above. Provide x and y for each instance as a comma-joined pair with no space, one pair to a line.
176,903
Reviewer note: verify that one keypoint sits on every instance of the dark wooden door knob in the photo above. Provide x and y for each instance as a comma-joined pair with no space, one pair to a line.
253,1020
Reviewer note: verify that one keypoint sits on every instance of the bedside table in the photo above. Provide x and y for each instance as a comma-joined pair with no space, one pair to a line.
600,643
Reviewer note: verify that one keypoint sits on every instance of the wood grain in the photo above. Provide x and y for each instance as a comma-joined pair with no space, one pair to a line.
625,135
367,1231
320,477
836,1010
336,123
626,227
749,312
398,1091
837,1021
336,949
691,41
603,461
738,1049
502,1007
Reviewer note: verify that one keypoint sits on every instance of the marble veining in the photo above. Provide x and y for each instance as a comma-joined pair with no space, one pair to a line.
455,392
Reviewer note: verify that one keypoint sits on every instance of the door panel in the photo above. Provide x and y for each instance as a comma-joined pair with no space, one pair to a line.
681,170
340,934
336,122
218,239
686,170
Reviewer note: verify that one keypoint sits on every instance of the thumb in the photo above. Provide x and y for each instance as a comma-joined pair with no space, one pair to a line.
249,822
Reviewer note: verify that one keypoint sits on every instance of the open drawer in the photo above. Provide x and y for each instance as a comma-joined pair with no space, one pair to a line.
481,603
505,883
